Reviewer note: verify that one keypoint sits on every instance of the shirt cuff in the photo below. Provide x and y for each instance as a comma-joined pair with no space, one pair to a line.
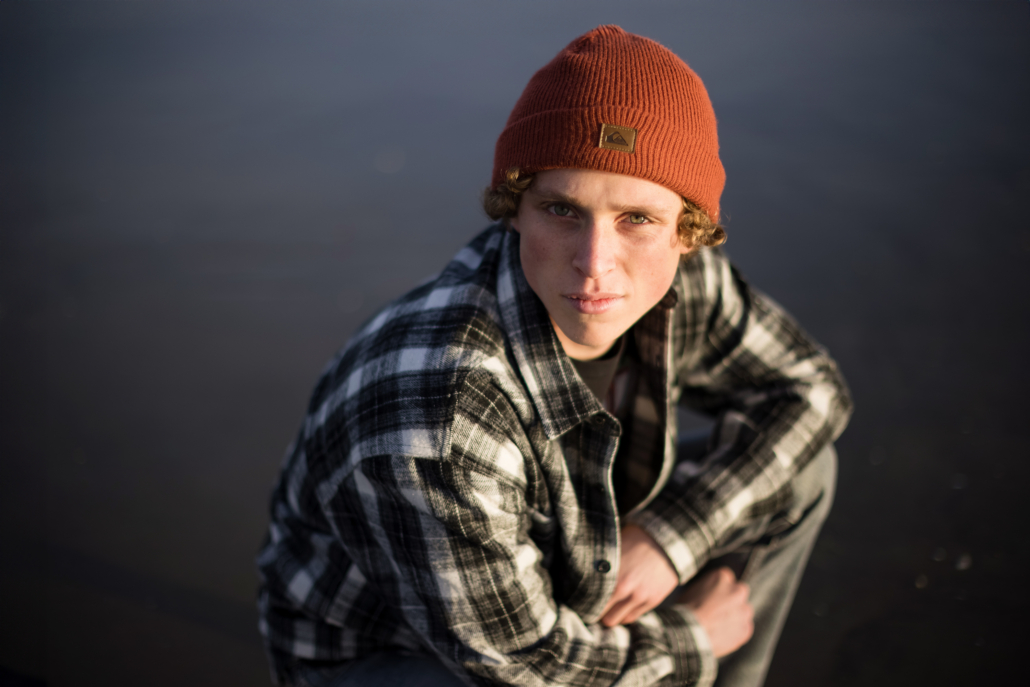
687,551
695,661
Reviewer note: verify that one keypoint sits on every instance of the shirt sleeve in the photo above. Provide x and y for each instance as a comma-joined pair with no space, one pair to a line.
453,549
778,399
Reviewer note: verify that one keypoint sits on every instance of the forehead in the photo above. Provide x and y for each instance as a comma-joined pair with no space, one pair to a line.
603,189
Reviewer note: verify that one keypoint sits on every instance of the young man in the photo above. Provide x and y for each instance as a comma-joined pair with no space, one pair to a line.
487,487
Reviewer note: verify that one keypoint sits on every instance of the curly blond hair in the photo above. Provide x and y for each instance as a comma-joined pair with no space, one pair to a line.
695,227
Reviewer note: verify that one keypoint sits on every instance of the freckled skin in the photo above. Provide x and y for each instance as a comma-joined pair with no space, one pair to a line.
600,250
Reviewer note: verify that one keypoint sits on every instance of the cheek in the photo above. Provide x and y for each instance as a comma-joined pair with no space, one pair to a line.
661,275
532,250
533,256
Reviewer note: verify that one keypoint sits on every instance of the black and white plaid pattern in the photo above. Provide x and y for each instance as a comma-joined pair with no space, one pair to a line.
451,488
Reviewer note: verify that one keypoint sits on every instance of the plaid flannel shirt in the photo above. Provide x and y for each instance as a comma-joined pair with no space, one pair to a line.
451,488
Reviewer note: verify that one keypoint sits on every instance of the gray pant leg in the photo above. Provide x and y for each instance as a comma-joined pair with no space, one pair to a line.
770,555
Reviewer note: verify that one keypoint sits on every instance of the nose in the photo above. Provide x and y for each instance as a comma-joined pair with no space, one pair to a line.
595,250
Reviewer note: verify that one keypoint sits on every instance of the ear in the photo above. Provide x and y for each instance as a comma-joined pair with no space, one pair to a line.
682,247
513,223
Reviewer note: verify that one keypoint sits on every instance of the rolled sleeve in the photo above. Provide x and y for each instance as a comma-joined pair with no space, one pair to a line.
778,399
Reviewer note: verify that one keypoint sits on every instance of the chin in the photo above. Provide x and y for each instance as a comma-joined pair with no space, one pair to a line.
597,337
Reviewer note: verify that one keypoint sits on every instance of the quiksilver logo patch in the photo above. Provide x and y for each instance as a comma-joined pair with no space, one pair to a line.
615,137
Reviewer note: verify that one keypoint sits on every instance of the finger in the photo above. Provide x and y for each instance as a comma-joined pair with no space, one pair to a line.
618,612
611,618
634,615
629,612
725,576
618,596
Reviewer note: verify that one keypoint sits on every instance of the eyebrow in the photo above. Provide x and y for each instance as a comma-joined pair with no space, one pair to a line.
547,194
554,195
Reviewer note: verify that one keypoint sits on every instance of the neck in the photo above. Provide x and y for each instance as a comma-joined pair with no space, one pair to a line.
578,351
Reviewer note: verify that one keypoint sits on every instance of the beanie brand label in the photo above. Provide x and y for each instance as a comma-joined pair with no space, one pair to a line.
615,137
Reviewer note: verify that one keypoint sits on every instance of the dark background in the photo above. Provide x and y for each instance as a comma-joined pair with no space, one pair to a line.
201,201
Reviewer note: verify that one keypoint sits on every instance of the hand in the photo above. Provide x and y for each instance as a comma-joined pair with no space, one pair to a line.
720,604
646,578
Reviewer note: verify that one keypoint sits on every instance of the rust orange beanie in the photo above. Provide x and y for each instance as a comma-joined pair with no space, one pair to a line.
617,102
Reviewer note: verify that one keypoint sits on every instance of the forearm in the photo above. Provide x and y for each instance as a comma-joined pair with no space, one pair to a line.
753,458
778,399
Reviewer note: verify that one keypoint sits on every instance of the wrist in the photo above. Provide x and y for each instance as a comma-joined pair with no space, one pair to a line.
703,664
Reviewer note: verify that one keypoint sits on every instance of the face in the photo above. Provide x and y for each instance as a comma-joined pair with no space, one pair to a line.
600,250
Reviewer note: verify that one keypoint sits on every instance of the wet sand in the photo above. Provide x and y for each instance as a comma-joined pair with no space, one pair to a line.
200,202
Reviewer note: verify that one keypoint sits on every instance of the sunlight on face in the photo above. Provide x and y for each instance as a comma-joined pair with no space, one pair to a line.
600,250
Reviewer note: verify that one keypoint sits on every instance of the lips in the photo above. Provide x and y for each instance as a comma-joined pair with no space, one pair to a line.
592,304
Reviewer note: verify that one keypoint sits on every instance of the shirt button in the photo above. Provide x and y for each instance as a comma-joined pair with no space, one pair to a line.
602,566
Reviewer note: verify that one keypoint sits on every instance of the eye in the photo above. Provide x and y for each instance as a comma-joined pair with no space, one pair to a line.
637,219
561,210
